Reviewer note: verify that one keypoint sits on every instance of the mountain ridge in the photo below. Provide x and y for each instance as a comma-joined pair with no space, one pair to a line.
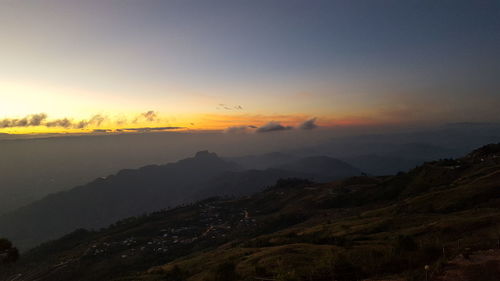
133,192
353,229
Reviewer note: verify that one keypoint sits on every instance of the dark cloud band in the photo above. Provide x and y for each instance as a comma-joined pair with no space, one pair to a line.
308,124
273,127
28,121
150,129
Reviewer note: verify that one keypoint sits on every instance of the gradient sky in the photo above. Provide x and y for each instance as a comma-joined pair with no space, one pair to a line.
212,64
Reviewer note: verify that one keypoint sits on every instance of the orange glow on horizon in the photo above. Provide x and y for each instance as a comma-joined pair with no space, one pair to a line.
197,122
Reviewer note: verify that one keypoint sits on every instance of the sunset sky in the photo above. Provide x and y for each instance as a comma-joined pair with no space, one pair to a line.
82,66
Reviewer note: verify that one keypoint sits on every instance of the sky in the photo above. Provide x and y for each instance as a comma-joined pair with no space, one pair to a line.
245,66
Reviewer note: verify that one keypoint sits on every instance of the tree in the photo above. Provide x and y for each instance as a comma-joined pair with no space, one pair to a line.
8,253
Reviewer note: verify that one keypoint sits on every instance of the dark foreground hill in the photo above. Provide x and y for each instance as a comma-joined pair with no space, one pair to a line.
360,228
134,192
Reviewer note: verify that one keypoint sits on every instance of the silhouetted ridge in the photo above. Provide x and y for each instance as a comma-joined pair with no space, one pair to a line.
98,203
322,168
205,154
133,192
487,151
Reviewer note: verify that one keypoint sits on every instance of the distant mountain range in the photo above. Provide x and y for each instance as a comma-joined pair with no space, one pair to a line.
150,188
33,168
438,221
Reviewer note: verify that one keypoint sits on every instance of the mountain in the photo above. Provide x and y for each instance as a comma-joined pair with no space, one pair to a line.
246,182
134,192
35,166
314,168
361,228
322,168
388,153
263,161
105,200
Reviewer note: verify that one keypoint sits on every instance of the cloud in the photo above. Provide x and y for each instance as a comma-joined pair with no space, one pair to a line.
37,119
40,119
239,129
8,123
30,120
64,123
150,129
101,131
308,124
273,127
150,116
223,106
96,120
121,121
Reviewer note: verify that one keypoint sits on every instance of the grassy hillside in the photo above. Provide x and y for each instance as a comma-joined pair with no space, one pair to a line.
355,229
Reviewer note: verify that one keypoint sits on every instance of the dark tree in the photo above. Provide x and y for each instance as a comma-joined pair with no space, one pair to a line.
8,253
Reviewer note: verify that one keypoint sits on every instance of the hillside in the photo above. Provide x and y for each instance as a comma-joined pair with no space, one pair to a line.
358,228
134,192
